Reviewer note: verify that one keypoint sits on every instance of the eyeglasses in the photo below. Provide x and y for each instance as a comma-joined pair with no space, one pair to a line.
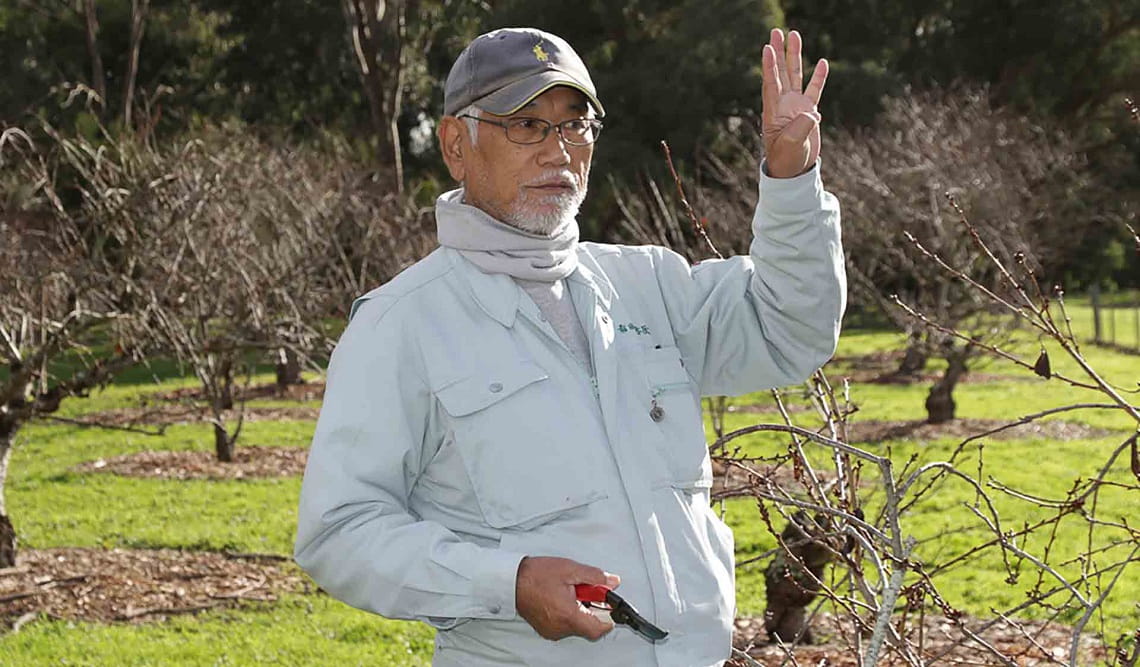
576,131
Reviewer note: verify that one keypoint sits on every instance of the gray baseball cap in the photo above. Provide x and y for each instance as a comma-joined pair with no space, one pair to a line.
505,69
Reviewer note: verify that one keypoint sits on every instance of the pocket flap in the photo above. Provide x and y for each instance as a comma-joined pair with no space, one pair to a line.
664,367
476,392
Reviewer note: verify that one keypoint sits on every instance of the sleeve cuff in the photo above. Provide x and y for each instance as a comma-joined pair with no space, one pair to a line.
798,195
494,583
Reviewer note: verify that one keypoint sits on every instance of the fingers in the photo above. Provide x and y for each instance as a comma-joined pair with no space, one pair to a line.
818,79
586,623
770,90
777,43
588,574
545,597
589,625
792,152
801,126
795,62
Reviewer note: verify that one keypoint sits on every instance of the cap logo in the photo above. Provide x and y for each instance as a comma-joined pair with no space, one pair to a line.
539,54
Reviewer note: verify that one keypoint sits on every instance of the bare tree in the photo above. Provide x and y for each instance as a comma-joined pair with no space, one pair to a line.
884,584
234,250
1019,182
61,325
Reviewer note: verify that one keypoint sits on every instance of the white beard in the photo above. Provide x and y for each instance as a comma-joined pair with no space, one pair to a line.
545,215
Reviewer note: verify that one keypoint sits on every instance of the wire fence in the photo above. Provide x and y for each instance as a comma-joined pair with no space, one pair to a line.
1116,324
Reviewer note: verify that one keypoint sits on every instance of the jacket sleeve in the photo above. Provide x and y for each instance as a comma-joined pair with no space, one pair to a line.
772,318
355,535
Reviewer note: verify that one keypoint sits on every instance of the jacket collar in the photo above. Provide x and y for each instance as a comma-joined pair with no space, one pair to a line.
591,275
495,293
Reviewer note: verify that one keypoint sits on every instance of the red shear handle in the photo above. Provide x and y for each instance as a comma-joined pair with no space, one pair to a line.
590,592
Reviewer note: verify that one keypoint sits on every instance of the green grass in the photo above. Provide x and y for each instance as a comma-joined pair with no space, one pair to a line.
55,506
297,630
52,505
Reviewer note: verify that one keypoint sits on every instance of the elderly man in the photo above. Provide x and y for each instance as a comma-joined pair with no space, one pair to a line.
519,413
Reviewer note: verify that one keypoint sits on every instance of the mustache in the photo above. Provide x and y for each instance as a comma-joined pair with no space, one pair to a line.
564,176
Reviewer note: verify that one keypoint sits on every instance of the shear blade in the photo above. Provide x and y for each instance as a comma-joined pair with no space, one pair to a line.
625,615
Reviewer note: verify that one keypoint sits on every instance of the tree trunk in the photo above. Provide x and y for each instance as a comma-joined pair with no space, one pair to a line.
98,75
7,531
792,580
288,369
377,31
914,359
940,402
224,446
138,23
225,398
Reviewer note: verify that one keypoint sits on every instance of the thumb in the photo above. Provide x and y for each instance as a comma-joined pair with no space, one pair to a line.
587,574
797,131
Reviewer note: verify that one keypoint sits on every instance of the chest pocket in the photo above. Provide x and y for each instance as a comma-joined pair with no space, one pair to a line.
517,447
674,407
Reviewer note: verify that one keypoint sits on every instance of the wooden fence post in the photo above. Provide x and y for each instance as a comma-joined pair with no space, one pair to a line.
1094,295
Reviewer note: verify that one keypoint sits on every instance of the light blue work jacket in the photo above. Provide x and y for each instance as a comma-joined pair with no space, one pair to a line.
459,434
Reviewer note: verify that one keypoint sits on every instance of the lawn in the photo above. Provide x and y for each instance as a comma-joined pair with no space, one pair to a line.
54,505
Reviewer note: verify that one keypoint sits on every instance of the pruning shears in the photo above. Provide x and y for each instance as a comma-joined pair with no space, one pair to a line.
601,597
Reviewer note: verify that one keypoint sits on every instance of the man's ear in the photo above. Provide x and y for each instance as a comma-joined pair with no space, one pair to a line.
454,146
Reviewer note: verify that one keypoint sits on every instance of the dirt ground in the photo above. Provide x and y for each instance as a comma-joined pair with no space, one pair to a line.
137,586
134,585
878,431
1025,644
250,461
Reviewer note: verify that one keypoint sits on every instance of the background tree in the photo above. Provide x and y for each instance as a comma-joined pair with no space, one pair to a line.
1025,187
61,324
377,30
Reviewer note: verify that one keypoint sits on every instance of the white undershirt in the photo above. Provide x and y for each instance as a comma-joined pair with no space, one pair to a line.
554,302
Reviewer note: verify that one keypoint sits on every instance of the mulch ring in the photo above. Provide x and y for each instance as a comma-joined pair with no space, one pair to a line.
166,414
309,391
879,431
129,585
1027,643
186,406
880,367
253,461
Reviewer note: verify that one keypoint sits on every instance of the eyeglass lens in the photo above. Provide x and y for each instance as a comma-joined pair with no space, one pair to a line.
534,130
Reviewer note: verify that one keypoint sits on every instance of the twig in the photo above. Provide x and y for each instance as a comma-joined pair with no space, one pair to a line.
697,226
886,607
18,596
136,613
109,427
237,555
1090,608
50,583
23,620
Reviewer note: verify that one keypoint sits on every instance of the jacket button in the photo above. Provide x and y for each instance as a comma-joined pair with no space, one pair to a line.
494,609
496,387
657,413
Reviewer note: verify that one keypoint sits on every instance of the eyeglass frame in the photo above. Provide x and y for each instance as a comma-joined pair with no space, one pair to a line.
593,122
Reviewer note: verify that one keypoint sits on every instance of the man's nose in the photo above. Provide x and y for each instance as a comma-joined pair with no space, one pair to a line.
554,150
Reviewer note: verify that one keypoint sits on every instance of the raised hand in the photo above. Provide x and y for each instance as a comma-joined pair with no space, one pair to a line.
790,117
